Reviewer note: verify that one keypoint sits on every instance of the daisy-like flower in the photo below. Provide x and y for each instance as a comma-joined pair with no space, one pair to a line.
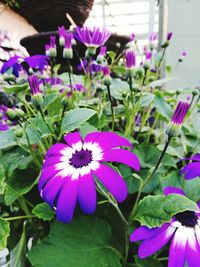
184,230
192,169
178,117
69,171
92,38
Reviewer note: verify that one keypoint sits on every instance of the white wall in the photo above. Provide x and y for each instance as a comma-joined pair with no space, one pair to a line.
184,22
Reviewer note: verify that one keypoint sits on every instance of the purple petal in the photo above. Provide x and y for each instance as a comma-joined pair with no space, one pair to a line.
72,138
47,173
178,249
87,193
191,170
107,140
112,181
56,149
143,232
52,160
52,189
67,201
122,156
192,250
173,190
152,245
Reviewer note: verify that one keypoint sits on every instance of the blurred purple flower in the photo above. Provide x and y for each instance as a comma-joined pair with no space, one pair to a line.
130,59
148,55
192,169
68,172
16,63
53,81
106,71
34,85
153,37
132,37
169,36
3,118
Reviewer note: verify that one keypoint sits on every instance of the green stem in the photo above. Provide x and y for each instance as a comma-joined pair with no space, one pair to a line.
115,205
19,217
131,89
50,129
111,106
24,206
162,57
149,177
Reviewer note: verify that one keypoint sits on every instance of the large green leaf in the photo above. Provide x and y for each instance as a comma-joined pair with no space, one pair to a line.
162,107
17,88
153,211
75,118
18,254
44,212
7,139
4,233
83,243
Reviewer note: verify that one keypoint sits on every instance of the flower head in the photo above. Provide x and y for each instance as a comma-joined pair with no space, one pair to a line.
178,117
132,37
192,169
153,37
51,47
101,54
184,230
35,91
169,36
17,63
69,171
3,118
62,35
67,51
92,38
130,59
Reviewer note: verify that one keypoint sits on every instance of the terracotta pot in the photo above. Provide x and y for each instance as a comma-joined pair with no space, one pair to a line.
47,15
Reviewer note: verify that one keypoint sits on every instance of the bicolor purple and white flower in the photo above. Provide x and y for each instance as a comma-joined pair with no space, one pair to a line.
51,49
101,54
192,169
183,231
62,35
69,171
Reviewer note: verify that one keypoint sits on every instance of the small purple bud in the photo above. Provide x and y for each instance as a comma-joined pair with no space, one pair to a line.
34,85
148,55
130,59
169,36
132,37
153,37
106,73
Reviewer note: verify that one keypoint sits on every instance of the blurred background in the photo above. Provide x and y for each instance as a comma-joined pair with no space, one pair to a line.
21,18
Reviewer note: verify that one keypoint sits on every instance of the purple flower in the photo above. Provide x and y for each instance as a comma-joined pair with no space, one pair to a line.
53,81
192,169
153,37
51,47
102,51
180,113
132,37
76,87
106,71
69,169
130,59
92,38
148,55
34,85
93,67
169,36
16,63
62,35
3,118
184,230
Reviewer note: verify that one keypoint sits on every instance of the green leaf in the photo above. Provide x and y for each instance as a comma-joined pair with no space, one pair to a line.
146,99
84,242
4,233
118,87
162,107
18,254
150,262
75,118
15,88
87,128
153,211
44,212
7,139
